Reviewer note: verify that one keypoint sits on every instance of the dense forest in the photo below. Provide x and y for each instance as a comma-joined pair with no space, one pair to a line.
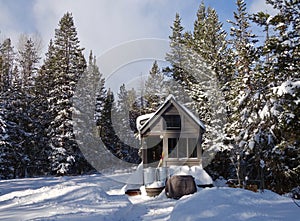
248,98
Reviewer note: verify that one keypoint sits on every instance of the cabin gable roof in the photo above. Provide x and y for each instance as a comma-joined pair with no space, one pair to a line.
170,100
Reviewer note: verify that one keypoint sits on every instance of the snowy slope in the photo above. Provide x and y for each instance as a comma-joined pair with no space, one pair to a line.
97,197
67,198
235,204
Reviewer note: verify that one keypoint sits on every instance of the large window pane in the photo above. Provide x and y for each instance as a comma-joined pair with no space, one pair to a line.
172,122
192,148
172,147
182,148
154,148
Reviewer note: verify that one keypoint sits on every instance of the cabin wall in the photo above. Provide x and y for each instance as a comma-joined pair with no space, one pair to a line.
182,138
189,130
187,126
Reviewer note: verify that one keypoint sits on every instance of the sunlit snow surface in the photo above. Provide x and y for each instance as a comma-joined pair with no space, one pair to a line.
96,197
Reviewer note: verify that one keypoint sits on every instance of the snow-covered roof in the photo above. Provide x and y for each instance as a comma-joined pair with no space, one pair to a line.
142,119
154,116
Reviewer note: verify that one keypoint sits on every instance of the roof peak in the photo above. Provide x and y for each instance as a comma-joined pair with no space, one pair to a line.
171,98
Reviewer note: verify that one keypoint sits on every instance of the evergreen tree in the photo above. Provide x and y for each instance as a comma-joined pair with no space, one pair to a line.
6,150
209,41
243,42
260,108
198,61
14,115
179,71
242,93
280,113
124,120
155,89
109,136
88,106
43,85
68,66
28,60
177,53
105,125
7,56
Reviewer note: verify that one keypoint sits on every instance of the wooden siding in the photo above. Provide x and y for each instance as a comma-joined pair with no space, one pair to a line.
189,130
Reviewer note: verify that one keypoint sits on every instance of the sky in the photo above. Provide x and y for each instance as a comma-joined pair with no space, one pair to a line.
103,25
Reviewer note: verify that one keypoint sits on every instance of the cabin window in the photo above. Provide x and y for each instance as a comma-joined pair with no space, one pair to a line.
154,149
172,122
172,147
192,147
182,148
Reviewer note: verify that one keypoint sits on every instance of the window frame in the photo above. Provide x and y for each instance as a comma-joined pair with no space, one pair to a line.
172,122
186,141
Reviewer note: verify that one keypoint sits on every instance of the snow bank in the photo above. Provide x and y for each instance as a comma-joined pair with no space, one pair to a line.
156,184
135,180
234,204
73,198
200,175
87,198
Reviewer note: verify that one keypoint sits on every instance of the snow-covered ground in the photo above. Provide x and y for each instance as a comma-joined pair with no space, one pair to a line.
96,197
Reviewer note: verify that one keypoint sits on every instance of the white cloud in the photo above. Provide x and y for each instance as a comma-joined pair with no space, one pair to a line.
260,5
9,25
104,24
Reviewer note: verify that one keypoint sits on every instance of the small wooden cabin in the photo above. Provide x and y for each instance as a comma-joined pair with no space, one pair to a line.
171,136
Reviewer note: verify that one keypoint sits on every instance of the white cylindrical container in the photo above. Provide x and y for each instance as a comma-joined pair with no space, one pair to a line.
149,175
163,173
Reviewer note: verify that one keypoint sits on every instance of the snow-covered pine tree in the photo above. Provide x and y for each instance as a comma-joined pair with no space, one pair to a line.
18,129
14,103
11,154
177,53
242,42
6,150
105,126
192,58
89,116
68,66
100,102
181,77
280,114
28,60
90,90
242,96
210,48
99,88
209,41
155,89
91,94
7,56
125,123
121,119
43,84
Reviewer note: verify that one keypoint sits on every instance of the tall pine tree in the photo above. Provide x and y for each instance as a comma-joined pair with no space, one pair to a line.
280,115
68,65
155,89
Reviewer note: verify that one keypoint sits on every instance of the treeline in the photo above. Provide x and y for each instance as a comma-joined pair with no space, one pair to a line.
252,119
244,88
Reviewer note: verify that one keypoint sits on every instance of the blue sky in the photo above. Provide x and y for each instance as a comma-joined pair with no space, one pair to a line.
105,24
